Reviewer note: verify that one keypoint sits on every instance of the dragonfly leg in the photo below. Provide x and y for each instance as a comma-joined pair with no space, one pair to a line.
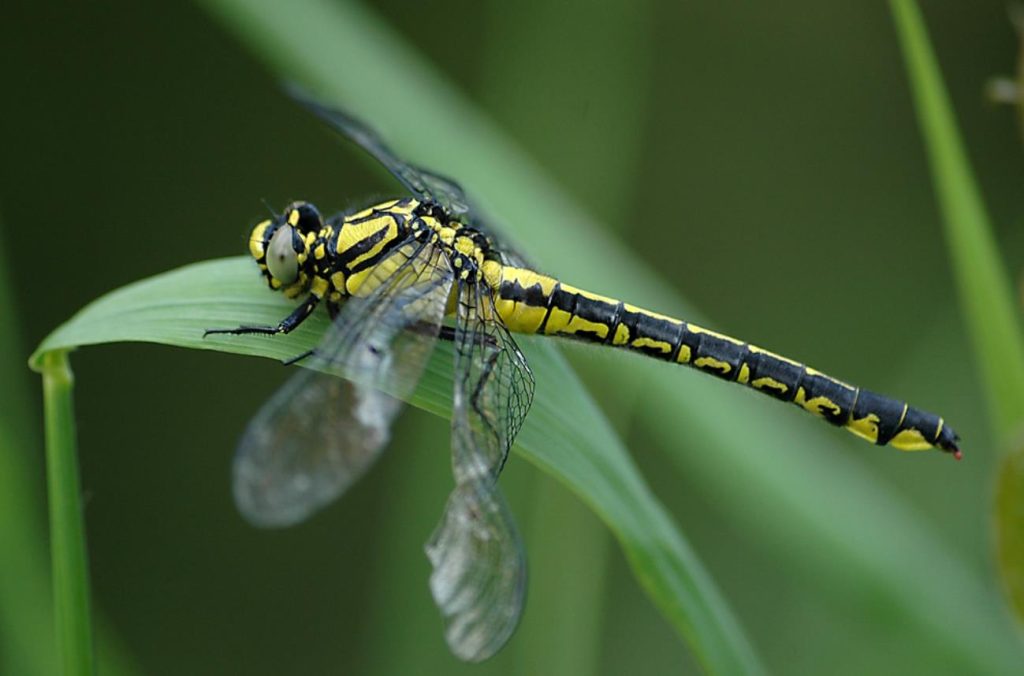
296,359
286,325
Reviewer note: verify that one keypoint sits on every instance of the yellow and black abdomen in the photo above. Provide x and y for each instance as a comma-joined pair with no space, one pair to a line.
532,303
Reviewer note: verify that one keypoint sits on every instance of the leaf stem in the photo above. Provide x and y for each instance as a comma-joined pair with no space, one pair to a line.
67,533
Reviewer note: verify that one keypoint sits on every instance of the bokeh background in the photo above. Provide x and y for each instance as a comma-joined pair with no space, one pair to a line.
763,160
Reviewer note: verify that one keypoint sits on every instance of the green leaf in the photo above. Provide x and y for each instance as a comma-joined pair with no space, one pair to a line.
564,434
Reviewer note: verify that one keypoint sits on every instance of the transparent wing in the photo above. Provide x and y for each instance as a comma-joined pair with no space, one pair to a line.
425,184
479,572
319,433
493,387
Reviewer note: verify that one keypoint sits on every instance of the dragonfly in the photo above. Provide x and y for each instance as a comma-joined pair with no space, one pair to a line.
398,277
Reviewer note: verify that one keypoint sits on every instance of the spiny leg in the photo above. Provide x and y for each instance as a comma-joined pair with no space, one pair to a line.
286,325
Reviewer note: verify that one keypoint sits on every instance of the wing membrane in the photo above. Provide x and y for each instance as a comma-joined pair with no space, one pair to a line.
319,433
479,571
493,387
425,184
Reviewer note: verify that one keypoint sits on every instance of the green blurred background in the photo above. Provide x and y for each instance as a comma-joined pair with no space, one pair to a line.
763,160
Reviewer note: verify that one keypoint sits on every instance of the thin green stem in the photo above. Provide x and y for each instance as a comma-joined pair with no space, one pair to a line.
986,295
67,533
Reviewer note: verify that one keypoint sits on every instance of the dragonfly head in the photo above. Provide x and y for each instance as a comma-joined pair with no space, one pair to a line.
281,246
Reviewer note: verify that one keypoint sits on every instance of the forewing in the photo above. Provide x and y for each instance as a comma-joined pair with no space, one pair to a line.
425,184
479,571
319,433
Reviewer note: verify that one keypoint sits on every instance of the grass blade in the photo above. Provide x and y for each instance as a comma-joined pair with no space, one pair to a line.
26,623
986,294
67,533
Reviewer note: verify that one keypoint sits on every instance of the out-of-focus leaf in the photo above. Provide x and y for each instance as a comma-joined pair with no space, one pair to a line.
1009,519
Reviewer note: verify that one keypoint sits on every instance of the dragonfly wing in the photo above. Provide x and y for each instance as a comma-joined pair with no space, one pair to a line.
493,387
479,570
321,431
422,183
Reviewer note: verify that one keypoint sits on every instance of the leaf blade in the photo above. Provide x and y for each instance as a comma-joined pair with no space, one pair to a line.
581,450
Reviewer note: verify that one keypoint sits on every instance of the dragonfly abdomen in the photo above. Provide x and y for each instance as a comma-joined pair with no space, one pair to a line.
532,303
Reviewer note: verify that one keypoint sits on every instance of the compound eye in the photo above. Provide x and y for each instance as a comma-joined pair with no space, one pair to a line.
282,261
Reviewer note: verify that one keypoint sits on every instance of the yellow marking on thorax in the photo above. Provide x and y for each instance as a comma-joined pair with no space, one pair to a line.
404,209
353,233
362,214
319,287
445,234
338,280
693,328
383,270
319,252
865,428
710,362
815,404
355,281
493,272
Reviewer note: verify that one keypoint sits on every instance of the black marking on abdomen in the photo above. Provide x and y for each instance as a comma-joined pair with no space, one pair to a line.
888,411
763,365
532,295
715,355
838,398
643,327
594,310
